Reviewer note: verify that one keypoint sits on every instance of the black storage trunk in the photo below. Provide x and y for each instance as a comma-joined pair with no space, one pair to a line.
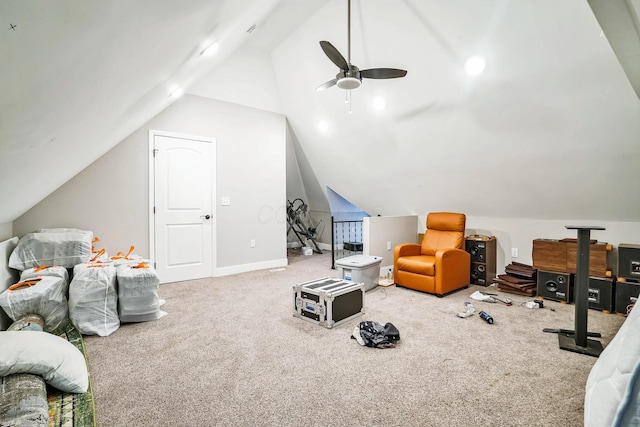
626,295
602,293
328,302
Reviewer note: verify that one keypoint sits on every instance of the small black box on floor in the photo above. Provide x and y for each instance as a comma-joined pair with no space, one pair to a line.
352,246
328,302
629,261
602,293
555,285
626,295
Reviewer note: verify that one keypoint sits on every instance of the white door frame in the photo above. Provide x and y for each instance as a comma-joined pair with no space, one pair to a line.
152,184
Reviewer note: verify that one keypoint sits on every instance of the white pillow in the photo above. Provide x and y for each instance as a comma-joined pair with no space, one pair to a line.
610,374
58,361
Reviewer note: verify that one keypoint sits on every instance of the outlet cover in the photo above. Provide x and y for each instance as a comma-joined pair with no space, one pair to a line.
514,252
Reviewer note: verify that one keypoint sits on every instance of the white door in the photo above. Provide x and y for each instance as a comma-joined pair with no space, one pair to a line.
182,202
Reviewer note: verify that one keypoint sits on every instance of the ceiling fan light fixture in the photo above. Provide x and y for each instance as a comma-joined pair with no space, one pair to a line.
349,83
350,77
323,126
176,92
475,65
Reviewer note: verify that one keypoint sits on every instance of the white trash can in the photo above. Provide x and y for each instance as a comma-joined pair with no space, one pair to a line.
360,268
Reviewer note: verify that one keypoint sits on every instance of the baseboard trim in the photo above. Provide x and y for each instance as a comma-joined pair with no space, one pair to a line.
245,268
323,246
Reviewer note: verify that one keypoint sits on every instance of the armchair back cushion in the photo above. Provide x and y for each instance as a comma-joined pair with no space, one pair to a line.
444,230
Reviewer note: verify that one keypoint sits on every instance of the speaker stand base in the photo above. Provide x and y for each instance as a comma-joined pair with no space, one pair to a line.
568,342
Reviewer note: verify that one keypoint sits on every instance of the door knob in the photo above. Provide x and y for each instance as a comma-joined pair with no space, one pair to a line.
205,216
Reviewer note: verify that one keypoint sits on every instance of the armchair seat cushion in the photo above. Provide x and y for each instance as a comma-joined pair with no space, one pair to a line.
418,264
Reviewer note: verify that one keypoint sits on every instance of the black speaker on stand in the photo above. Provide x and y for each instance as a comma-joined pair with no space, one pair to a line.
576,340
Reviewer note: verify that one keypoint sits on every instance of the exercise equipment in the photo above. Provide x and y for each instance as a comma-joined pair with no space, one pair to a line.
301,223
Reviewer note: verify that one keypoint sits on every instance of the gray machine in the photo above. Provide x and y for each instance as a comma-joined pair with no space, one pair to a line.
328,302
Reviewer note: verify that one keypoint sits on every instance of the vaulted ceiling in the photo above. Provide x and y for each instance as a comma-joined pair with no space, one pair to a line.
550,130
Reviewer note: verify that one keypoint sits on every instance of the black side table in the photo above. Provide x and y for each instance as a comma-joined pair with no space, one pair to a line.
577,340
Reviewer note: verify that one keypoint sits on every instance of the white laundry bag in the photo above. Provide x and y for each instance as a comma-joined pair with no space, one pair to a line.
65,247
138,299
44,296
93,299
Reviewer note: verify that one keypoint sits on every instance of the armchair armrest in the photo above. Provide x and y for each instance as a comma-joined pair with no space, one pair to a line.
453,270
406,249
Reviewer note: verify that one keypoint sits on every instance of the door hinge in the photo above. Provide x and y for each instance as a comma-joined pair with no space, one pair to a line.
155,150
154,209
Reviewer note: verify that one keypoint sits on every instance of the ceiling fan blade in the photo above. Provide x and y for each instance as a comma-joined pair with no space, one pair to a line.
326,85
335,56
382,73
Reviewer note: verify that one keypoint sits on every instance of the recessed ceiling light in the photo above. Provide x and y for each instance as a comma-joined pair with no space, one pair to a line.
211,49
475,65
177,93
323,126
379,103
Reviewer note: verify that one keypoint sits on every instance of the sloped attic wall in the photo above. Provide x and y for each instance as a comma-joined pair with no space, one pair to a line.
546,137
549,132
111,196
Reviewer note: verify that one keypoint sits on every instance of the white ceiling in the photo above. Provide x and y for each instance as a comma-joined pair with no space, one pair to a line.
549,131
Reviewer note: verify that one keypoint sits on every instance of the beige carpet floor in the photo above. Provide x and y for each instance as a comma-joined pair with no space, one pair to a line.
230,353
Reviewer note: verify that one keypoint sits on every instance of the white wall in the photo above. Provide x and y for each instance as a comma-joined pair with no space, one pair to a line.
520,233
380,230
6,230
246,78
295,186
8,276
509,233
537,135
110,197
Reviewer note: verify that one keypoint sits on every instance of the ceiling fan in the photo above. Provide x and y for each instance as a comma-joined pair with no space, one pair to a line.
350,76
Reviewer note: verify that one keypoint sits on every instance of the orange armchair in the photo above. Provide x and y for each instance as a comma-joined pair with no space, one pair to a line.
440,265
